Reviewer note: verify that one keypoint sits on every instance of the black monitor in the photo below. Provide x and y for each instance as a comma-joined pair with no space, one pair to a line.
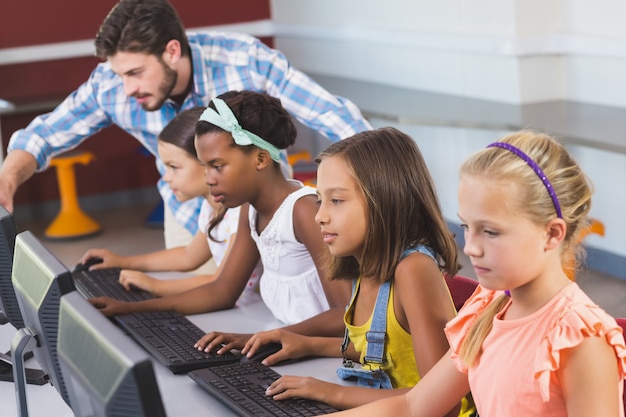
40,280
9,308
8,302
105,372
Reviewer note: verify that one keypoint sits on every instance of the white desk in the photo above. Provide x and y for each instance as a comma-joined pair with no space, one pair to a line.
181,396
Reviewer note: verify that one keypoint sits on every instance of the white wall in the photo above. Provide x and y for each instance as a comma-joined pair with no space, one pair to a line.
515,51
445,148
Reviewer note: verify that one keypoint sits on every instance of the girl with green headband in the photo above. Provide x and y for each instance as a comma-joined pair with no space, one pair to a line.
238,141
216,225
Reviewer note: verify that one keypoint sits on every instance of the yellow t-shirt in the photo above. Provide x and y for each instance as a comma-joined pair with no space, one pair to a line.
399,363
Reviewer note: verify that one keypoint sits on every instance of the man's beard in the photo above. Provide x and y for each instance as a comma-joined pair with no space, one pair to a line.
165,89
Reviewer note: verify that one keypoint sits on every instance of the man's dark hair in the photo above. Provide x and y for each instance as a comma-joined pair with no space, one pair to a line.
140,26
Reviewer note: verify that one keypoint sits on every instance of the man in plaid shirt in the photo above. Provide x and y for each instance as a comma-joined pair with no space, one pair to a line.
153,70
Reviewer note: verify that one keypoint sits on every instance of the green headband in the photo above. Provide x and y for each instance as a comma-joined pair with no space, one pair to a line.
225,119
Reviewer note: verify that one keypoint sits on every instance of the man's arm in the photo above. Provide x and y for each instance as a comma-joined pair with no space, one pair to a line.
18,166
335,117
30,149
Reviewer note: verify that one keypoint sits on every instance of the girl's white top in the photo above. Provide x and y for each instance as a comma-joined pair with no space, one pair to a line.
290,284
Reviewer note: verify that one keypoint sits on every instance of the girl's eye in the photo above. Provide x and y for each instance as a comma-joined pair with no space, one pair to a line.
463,226
335,201
491,233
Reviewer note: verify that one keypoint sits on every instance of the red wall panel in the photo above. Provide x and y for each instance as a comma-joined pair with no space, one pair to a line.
34,22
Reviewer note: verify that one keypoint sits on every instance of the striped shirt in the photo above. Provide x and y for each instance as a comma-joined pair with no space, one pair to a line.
221,62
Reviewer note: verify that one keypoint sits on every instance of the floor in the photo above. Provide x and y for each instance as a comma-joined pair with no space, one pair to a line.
124,231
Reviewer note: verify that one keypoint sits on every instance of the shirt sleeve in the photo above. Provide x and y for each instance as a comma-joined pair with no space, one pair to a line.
75,119
457,329
576,323
333,116
232,220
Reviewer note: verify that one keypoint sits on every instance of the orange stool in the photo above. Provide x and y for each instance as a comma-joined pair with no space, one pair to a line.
596,227
306,177
71,222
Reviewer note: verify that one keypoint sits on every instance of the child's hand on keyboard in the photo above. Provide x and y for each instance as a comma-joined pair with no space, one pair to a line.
110,306
136,279
294,346
222,342
302,387
107,259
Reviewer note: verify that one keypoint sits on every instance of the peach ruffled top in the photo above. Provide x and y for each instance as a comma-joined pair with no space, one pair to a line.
515,374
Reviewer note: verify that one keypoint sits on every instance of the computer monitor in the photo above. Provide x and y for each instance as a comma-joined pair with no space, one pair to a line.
8,302
40,280
9,308
105,372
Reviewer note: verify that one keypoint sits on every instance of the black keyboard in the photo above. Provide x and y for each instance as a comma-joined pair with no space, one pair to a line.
241,386
105,283
169,337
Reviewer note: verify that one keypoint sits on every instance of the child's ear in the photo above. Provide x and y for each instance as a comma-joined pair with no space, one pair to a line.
556,231
263,159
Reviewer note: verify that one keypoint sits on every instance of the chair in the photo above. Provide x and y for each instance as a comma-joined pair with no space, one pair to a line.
306,177
595,227
622,323
71,221
461,288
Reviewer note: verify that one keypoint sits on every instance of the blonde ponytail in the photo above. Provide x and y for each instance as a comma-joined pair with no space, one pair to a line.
470,349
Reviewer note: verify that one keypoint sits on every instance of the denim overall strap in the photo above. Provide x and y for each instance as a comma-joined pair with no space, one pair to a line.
376,335
421,249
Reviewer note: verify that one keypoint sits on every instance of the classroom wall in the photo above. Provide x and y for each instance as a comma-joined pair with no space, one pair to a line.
508,51
515,51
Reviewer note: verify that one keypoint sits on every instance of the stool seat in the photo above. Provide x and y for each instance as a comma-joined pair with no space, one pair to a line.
595,226
72,221
306,177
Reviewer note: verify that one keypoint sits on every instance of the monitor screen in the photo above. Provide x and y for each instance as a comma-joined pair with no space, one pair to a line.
40,280
8,302
106,373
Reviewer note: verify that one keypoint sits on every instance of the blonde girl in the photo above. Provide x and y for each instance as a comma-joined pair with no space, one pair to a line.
529,342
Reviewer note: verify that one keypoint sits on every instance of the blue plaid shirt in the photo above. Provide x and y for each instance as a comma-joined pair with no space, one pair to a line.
221,62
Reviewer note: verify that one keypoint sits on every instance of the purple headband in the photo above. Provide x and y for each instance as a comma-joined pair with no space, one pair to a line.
536,168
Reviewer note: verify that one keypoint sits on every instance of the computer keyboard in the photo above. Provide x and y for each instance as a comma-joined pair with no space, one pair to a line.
169,337
241,386
105,283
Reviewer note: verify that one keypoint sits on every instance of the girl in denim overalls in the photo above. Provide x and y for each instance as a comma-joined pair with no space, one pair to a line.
380,217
